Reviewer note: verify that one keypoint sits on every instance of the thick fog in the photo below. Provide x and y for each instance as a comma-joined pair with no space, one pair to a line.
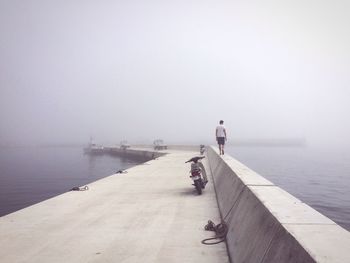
141,70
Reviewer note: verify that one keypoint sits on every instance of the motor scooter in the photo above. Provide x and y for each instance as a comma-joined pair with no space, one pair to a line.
196,174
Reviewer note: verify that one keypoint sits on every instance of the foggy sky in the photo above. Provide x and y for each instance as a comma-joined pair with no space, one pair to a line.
140,70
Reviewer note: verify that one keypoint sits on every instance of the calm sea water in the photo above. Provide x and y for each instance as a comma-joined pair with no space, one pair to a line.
31,175
318,177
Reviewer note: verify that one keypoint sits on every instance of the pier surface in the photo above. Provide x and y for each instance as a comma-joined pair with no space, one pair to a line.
152,213
149,214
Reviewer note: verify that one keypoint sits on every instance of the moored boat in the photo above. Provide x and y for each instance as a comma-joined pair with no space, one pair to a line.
93,148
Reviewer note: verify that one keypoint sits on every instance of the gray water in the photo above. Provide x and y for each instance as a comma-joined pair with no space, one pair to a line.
319,177
31,175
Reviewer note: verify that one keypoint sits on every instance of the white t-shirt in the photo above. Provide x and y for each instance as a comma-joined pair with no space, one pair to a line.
220,131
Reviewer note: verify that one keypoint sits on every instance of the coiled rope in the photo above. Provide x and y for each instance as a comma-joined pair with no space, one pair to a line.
121,172
82,188
220,232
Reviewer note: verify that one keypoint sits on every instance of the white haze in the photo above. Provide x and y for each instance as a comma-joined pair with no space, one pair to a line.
140,70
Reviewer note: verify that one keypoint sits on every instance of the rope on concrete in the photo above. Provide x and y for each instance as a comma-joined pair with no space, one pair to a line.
82,188
121,172
220,232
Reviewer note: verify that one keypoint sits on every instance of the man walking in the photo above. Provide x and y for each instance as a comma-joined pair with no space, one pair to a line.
221,136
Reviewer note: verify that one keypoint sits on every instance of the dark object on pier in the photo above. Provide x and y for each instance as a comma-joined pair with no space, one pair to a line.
220,232
121,172
82,188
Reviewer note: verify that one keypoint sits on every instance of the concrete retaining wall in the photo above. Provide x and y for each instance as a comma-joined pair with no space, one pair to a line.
267,224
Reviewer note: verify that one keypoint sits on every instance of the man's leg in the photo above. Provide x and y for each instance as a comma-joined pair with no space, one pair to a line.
217,141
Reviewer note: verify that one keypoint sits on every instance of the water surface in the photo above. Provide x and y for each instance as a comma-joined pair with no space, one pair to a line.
31,175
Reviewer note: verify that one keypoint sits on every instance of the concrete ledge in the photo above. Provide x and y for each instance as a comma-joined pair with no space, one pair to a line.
267,224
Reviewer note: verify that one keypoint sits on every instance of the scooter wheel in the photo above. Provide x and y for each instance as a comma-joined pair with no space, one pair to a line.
198,186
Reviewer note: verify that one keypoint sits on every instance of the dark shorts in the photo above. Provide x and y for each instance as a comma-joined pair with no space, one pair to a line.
221,140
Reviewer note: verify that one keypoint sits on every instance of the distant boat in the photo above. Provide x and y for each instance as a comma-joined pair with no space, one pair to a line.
159,145
93,148
124,145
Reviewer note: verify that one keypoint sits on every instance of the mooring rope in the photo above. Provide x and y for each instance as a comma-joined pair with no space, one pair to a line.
82,188
121,172
220,232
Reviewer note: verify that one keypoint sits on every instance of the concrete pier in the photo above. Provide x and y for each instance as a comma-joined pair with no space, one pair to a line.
152,213
149,214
